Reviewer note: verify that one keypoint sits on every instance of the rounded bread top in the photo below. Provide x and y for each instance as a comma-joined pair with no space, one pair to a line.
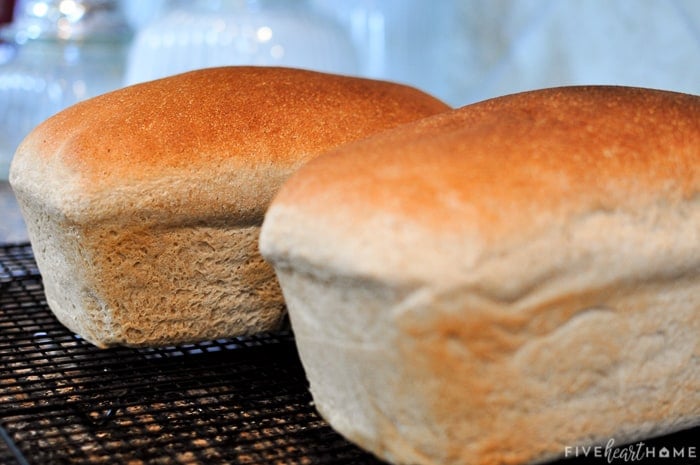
486,178
210,121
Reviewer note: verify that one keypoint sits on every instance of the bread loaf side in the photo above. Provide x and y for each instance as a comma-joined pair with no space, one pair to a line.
497,283
144,205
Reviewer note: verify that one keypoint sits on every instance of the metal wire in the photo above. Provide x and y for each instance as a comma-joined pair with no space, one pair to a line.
242,400
62,400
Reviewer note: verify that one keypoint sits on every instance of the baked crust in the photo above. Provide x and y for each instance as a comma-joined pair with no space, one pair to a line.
495,283
143,205
248,125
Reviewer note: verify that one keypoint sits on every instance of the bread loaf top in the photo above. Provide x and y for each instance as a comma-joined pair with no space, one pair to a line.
570,169
245,127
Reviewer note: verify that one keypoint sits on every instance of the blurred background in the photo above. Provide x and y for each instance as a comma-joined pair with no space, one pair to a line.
56,52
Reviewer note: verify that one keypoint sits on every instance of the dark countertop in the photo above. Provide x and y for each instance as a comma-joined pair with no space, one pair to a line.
12,227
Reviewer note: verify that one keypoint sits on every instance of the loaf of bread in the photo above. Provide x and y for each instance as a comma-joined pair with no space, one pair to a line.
144,205
502,281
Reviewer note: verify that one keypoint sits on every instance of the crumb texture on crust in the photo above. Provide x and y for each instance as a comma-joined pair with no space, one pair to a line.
156,285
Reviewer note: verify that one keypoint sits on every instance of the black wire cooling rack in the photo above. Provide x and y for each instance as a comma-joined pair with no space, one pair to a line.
64,401
243,400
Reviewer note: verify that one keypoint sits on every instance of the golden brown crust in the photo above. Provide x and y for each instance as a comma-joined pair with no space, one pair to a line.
509,164
144,205
494,284
247,116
